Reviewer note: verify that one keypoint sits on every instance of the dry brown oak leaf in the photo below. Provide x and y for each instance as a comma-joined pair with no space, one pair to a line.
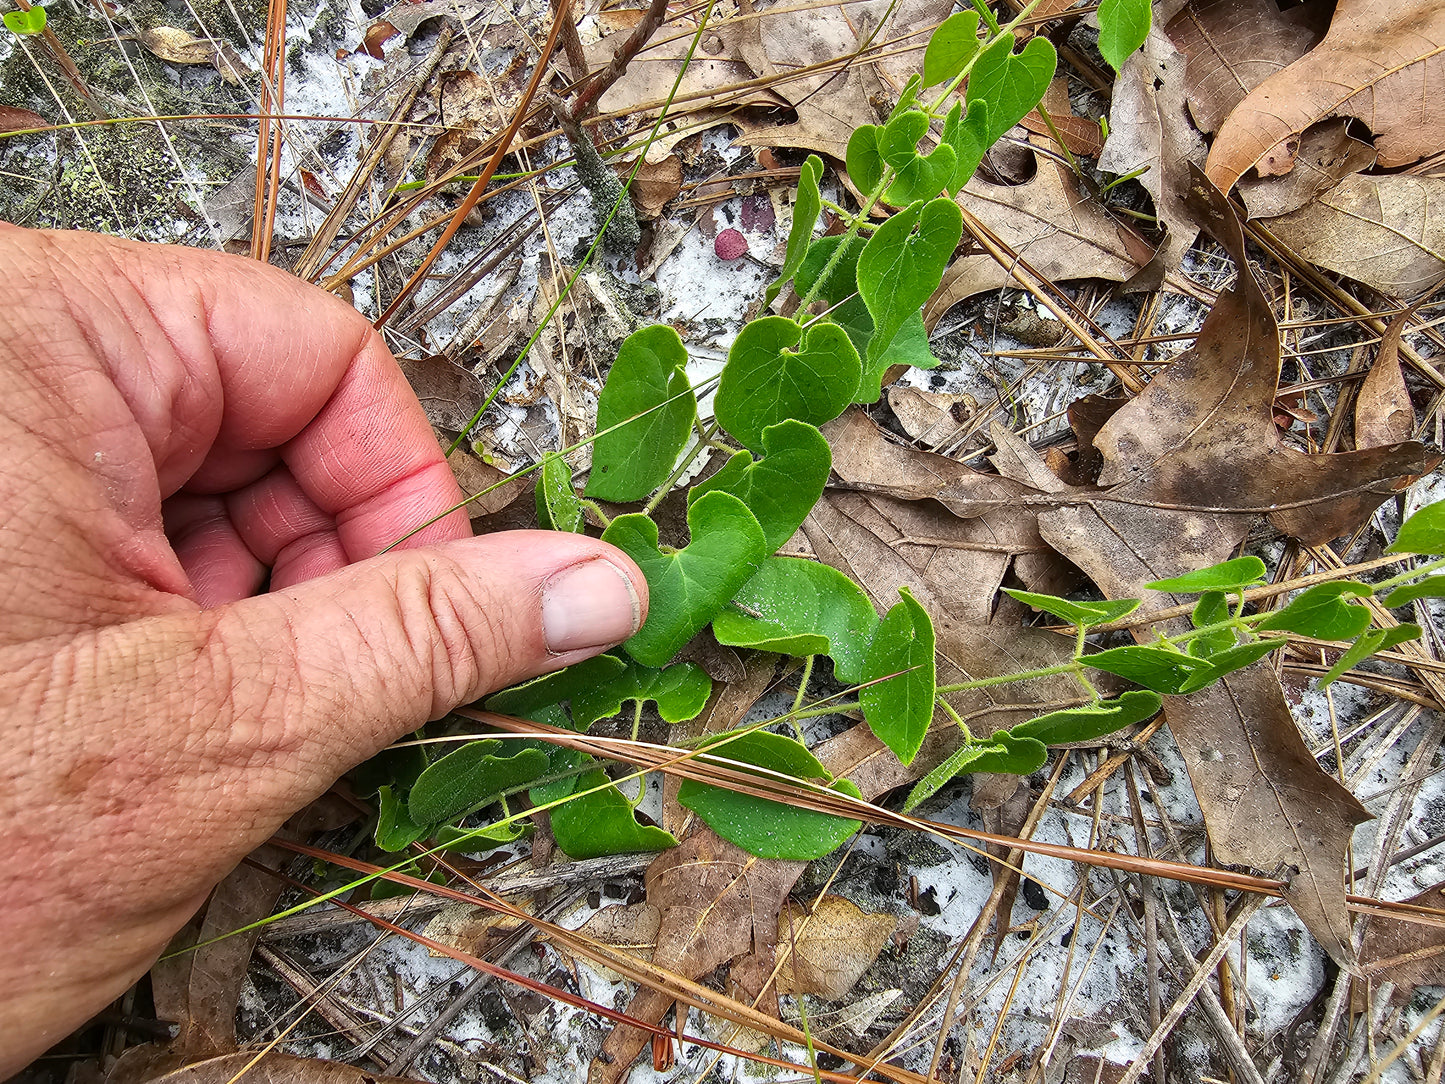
1382,62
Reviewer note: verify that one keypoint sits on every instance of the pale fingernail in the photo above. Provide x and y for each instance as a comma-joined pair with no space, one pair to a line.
589,605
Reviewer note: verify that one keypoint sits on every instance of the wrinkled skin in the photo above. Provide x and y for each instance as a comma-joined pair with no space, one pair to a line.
178,430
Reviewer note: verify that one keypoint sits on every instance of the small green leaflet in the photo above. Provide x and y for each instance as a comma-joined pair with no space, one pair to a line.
1083,614
1123,26
1429,587
1424,532
687,588
1212,608
680,691
399,766
527,699
900,709
26,23
1227,661
807,608
781,488
394,829
1158,668
1092,720
594,825
472,840
806,209
558,508
1319,611
950,49
647,379
873,147
899,270
1010,84
1225,576
1369,642
470,778
761,826
967,134
766,382
1003,754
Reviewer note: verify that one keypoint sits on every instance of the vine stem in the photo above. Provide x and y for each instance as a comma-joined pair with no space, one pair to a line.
682,468
848,235
1073,666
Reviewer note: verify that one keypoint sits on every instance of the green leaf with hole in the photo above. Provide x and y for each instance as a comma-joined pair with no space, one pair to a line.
1369,642
806,209
1157,668
1011,84
766,381
687,587
1227,661
539,694
804,608
950,48
1225,576
1083,614
558,508
1321,611
648,397
603,823
898,269
1424,532
395,831
26,23
1123,26
1429,587
967,134
918,176
1091,720
1212,608
761,826
1004,754
899,709
781,488
679,691
470,778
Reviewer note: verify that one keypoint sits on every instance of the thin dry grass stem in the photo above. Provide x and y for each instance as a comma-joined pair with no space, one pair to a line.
1151,917
345,1023
269,133
1096,779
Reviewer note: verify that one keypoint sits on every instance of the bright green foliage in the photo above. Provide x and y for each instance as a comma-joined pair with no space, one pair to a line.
760,826
1003,753
394,829
1226,662
1083,614
781,488
470,778
766,382
1319,611
1429,587
688,587
679,691
1159,668
895,145
1212,608
967,134
908,97
1225,576
527,699
471,840
1010,84
900,709
1370,641
1092,720
899,269
806,209
27,23
950,48
1123,26
1424,532
593,825
558,508
807,608
648,376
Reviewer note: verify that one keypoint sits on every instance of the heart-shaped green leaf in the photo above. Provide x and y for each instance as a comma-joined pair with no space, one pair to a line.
1011,84
395,831
804,608
1429,587
781,488
900,709
1003,754
1424,532
1320,611
1157,668
1213,607
27,23
644,416
1083,614
898,270
602,823
967,134
1123,26
680,691
530,697
918,176
470,778
1092,720
687,588
558,508
950,48
1369,642
806,208
760,826
1225,576
864,160
766,382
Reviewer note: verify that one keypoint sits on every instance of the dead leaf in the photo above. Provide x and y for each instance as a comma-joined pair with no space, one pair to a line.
176,46
1327,154
930,417
649,78
1382,63
1387,232
449,394
467,105
468,928
1404,953
1080,134
377,35
17,120
1384,413
829,947
654,185
474,476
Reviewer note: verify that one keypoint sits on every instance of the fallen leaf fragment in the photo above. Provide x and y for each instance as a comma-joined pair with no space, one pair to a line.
17,120
1384,413
449,394
829,947
1404,953
176,46
654,185
268,1068
1326,155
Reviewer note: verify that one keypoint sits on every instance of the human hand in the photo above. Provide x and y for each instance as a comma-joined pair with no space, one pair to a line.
174,424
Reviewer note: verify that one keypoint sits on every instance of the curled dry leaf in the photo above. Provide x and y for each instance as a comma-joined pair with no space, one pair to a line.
930,417
654,185
1327,154
1383,411
176,46
830,946
449,394
1382,63
648,80
17,120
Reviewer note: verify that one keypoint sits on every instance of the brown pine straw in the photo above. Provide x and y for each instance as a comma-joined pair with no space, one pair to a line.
269,132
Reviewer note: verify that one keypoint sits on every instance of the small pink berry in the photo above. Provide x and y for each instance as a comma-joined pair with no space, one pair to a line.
730,245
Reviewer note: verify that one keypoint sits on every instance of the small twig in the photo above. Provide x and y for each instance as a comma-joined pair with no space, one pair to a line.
571,43
586,101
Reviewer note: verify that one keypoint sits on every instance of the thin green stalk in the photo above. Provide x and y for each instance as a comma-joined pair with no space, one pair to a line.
848,235
682,468
1008,679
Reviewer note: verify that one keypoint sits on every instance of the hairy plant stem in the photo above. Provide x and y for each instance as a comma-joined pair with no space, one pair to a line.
848,235
682,468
